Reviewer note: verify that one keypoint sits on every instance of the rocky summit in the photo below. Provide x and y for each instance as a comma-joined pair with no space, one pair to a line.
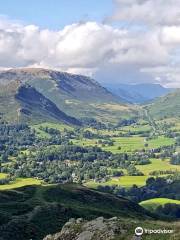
98,228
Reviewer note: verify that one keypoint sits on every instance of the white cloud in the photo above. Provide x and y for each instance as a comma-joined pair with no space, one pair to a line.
169,76
91,48
171,35
153,12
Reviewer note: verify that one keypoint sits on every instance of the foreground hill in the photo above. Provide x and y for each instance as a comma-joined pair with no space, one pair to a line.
112,229
35,211
138,93
76,95
167,106
22,102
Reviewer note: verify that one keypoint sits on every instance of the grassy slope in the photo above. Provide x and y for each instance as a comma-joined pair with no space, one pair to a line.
168,106
19,182
35,211
152,204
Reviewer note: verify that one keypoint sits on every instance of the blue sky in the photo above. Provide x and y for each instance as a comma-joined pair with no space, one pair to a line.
55,14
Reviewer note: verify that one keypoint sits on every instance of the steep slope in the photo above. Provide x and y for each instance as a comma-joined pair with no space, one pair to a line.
21,102
76,95
167,106
35,211
70,86
138,93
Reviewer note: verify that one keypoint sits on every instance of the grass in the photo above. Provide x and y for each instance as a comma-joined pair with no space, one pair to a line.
21,182
137,128
152,204
160,142
40,133
129,144
57,126
128,181
124,181
157,165
3,175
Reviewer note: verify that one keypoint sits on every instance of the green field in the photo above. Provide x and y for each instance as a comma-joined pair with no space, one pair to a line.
152,204
3,175
129,144
128,181
157,165
21,182
57,126
125,181
137,128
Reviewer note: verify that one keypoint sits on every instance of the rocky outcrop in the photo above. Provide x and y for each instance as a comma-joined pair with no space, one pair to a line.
98,229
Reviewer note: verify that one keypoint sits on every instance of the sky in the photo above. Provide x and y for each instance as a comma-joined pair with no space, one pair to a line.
113,41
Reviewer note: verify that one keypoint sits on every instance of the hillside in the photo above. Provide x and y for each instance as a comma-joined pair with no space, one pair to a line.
35,211
76,95
152,204
111,229
138,93
69,85
167,106
23,103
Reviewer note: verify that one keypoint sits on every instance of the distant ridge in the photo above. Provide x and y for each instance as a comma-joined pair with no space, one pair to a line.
74,86
22,102
138,93
76,95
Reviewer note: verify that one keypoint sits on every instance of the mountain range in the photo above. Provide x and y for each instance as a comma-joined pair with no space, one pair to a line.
138,93
74,95
35,94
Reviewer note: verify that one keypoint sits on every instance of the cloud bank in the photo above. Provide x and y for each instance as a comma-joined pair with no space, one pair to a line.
146,49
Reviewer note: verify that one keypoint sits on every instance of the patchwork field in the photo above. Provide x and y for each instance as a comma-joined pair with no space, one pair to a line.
129,144
133,142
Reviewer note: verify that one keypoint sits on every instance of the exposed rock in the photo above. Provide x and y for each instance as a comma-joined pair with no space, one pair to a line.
98,229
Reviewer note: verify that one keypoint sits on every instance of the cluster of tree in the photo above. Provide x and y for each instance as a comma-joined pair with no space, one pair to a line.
133,171
175,159
169,210
126,122
6,180
71,152
91,122
51,131
161,172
